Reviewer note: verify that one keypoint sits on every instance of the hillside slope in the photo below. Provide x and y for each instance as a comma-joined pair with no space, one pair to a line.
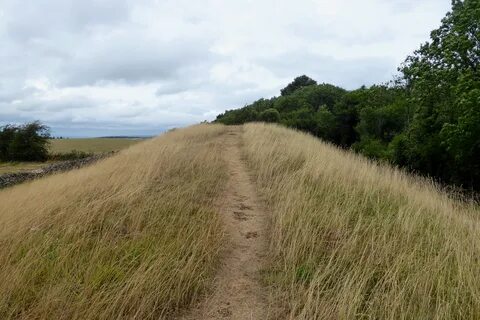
244,222
134,236
354,239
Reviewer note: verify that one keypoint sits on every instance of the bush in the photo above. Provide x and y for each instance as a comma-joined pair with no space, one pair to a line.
28,142
372,148
270,115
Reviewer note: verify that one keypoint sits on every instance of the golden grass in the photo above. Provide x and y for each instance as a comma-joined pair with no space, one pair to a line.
90,145
134,236
352,239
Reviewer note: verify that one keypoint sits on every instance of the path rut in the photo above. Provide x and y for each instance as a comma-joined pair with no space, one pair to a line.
237,292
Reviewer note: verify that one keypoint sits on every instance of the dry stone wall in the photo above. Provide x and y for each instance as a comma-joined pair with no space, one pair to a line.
10,179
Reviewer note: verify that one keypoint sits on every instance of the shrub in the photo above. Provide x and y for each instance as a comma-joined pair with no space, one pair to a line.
270,115
24,143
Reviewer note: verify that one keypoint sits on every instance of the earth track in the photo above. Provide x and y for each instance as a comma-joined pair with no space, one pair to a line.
237,291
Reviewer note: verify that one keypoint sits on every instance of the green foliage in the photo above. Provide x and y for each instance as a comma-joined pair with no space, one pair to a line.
372,147
325,123
443,79
398,150
461,138
270,115
7,134
24,143
247,114
298,82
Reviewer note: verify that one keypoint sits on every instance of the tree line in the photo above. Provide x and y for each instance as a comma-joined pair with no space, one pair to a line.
427,120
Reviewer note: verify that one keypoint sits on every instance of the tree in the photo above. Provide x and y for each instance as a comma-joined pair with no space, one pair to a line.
299,82
461,138
30,143
238,116
7,134
270,115
383,114
325,124
443,78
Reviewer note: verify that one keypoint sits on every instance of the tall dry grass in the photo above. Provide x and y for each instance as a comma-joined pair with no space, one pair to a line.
352,239
134,236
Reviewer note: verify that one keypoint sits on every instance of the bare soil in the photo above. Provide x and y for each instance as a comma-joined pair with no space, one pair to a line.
237,292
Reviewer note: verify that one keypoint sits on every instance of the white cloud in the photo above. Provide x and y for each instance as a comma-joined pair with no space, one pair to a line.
144,65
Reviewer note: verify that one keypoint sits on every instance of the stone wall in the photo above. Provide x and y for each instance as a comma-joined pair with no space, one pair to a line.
10,179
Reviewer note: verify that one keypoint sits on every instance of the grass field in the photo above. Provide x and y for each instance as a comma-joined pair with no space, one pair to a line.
91,145
352,239
134,236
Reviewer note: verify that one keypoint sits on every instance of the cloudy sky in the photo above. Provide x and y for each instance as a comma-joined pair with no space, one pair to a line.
105,67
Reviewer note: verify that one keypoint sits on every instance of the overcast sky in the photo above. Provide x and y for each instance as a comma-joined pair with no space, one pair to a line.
105,67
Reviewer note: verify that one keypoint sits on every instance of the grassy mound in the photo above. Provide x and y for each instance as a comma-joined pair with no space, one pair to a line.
134,236
354,239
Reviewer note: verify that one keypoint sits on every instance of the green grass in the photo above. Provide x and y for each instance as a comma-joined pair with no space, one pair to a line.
91,145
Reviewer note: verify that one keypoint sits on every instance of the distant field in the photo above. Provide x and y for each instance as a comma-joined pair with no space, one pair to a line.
12,167
91,145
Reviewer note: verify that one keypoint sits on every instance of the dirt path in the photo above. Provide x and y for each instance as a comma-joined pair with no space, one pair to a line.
237,293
